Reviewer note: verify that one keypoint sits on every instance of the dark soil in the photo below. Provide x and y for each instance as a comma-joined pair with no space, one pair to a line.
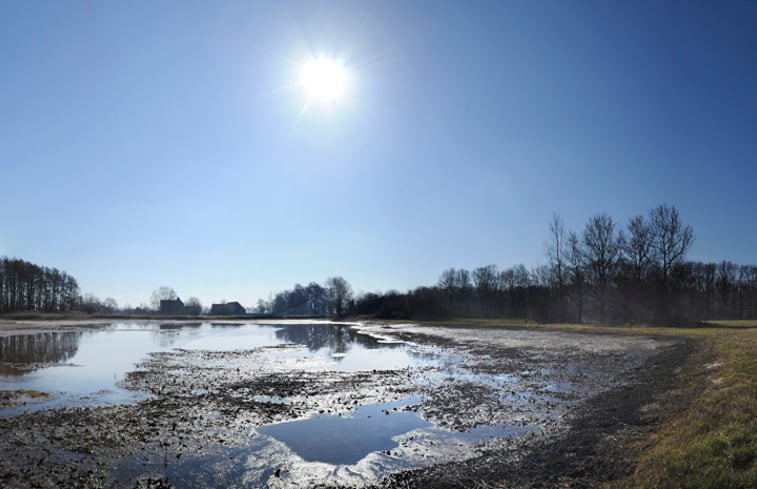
599,446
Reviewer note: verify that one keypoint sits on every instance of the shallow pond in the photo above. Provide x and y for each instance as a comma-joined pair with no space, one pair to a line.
294,404
88,367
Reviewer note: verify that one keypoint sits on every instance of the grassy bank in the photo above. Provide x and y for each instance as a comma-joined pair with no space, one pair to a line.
734,323
713,442
46,316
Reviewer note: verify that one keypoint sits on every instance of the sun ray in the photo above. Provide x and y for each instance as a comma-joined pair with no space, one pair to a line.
299,117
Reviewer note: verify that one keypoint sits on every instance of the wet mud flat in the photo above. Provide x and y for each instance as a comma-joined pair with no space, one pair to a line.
470,405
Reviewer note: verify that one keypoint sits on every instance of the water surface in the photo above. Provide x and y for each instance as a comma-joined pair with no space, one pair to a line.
347,439
88,367
347,443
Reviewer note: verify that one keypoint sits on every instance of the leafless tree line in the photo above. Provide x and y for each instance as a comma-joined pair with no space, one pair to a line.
333,298
25,286
640,273
604,273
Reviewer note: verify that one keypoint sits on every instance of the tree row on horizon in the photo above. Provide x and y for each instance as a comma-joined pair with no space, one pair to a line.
603,273
333,298
25,286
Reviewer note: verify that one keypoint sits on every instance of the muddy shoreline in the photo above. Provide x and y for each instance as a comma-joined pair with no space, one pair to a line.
596,448
579,398
9,327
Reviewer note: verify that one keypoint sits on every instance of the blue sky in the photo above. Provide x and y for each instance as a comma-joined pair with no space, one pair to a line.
165,143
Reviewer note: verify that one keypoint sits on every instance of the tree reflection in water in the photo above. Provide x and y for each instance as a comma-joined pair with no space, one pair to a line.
338,339
22,353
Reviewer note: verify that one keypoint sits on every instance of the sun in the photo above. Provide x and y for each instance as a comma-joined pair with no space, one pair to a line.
324,79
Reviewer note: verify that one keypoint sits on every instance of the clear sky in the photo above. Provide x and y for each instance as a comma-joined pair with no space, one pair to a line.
149,143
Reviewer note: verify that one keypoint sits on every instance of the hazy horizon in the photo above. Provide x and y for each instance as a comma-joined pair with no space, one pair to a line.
147,144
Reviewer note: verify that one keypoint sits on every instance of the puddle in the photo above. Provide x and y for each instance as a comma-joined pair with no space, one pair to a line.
354,448
346,439
214,467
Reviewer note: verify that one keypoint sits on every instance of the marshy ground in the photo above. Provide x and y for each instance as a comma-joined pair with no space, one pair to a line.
325,405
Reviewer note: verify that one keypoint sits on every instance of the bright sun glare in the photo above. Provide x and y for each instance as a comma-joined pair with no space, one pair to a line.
324,79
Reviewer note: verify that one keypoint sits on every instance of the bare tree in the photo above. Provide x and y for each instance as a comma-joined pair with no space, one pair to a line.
193,306
602,248
671,238
486,281
340,295
555,251
448,285
638,258
263,307
91,304
447,281
463,292
110,304
163,293
743,285
638,247
726,285
516,281
576,260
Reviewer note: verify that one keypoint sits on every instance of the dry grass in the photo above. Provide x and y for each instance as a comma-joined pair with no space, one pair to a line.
40,316
11,398
713,442
734,323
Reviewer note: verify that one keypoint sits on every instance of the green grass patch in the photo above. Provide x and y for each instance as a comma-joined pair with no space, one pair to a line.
712,444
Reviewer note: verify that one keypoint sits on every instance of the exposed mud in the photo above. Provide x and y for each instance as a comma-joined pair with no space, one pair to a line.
533,409
594,449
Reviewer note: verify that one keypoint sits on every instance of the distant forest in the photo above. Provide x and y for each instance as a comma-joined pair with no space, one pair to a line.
25,286
604,273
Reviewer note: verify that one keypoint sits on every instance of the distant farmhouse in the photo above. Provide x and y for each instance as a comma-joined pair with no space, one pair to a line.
172,307
228,309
